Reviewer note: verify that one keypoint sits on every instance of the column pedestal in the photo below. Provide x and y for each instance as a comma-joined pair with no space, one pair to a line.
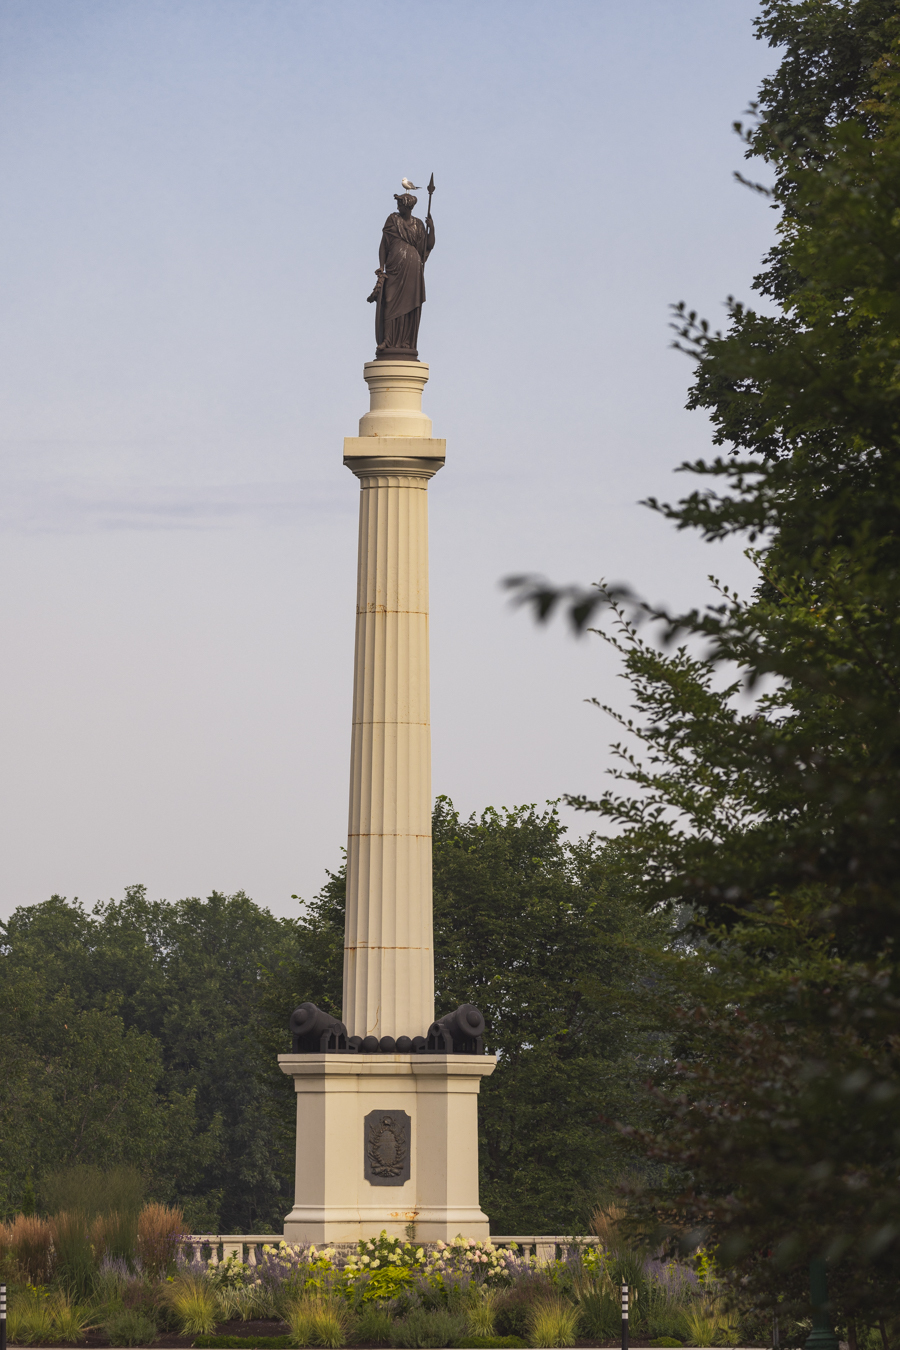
432,1104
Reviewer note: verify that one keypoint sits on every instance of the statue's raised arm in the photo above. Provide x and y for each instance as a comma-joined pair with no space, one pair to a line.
400,289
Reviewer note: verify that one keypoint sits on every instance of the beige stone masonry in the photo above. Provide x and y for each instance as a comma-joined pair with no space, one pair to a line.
333,1201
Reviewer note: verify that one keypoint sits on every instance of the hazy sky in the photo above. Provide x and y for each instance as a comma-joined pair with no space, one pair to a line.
193,193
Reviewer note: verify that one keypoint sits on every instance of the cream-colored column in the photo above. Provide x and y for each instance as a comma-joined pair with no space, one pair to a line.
388,949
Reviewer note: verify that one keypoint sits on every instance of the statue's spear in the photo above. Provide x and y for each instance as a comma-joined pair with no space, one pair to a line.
430,195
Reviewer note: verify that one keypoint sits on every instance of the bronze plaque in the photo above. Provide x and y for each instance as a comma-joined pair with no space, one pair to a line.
387,1145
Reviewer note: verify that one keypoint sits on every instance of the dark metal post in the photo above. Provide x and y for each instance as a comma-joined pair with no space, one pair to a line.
624,1317
430,195
821,1337
2,1317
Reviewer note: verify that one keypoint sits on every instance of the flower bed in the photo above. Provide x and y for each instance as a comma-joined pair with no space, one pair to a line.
385,1292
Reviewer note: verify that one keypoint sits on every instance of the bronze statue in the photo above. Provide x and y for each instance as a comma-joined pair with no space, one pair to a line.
400,289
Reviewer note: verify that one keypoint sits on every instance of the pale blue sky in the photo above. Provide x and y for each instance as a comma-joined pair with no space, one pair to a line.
193,197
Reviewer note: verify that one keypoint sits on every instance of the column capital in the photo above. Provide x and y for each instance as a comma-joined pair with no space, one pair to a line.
392,466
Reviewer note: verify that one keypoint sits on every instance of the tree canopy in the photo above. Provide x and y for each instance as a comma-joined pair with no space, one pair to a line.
134,1033
762,755
146,1034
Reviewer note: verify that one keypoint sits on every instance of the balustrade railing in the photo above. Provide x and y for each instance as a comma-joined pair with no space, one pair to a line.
212,1248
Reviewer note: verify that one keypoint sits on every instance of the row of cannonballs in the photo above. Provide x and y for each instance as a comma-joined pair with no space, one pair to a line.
312,1029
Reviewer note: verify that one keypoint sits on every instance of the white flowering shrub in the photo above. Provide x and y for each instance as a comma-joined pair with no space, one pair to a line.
383,1251
476,1257
230,1273
382,1267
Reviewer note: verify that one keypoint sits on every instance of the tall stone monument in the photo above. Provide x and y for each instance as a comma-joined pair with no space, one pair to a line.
387,1097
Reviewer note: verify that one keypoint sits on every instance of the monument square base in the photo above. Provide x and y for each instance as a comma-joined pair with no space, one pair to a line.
383,1141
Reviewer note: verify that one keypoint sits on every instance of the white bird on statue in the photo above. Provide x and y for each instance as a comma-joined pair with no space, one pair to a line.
410,187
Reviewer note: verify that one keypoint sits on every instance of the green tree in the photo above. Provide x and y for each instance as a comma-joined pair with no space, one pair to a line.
777,821
183,986
546,936
80,1087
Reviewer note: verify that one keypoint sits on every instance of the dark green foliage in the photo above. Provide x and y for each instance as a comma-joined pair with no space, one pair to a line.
80,1085
93,1190
28,1197
134,1035
515,1305
428,1329
141,1038
547,938
778,821
373,1325
319,972
829,49
130,1326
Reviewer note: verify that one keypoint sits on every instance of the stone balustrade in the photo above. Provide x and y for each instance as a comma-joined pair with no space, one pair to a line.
215,1247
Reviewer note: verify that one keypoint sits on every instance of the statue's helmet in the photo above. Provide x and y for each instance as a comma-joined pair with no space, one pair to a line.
405,199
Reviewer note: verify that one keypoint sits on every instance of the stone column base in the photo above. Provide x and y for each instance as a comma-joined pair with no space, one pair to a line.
356,1176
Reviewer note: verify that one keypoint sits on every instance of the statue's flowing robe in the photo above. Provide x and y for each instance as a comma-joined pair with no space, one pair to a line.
402,257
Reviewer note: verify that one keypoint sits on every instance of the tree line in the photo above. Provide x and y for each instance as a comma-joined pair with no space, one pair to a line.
145,1034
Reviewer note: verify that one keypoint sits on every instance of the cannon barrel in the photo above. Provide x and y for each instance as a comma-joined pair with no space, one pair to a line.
466,1022
309,1024
308,1020
460,1030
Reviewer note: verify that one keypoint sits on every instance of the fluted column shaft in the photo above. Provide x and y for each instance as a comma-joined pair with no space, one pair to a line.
388,951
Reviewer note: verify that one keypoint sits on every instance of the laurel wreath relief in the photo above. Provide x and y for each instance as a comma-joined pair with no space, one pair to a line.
386,1148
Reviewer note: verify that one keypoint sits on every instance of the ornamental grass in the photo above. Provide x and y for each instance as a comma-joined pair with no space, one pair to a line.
330,1326
599,1308
73,1256
37,1319
114,1236
553,1321
194,1303
29,1320
244,1302
70,1319
30,1241
481,1313
319,1319
159,1231
709,1322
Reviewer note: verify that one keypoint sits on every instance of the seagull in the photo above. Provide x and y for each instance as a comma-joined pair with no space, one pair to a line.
410,187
